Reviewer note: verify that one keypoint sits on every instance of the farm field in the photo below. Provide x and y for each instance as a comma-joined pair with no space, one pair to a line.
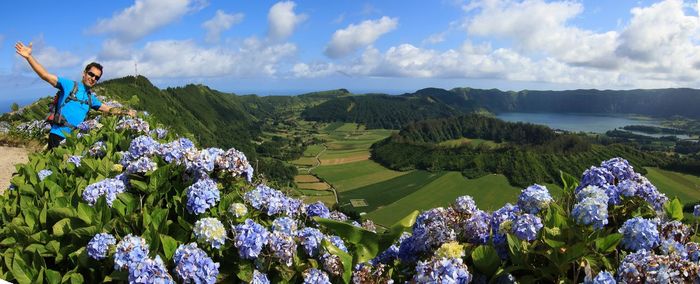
353,175
467,141
490,192
673,184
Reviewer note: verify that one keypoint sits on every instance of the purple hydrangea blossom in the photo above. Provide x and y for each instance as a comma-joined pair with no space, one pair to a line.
638,233
150,271
477,229
603,277
130,251
202,195
143,146
193,265
99,149
201,161
648,192
534,198
259,278
270,201
442,270
315,276
338,242
311,240
89,124
235,163
159,132
591,210
110,188
619,168
283,247
134,124
317,209
285,225
693,250
391,253
672,247
142,165
98,246
696,210
44,173
465,204
210,231
75,160
249,238
432,229
174,151
526,227
597,176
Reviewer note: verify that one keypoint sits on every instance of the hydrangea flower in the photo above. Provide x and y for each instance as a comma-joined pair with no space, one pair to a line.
268,200
592,191
338,216
142,165
108,187
150,271
311,240
591,211
315,276
534,198
442,270
672,247
238,209
159,132
603,277
174,151
202,195
143,146
235,163
98,246
259,278
371,273
193,265
98,149
211,231
338,242
619,168
432,229
89,124
597,176
130,251
628,187
75,160
391,253
639,233
285,224
134,124
283,247
332,264
317,209
465,204
526,227
201,161
648,192
249,238
44,173
450,250
477,229
693,250
696,210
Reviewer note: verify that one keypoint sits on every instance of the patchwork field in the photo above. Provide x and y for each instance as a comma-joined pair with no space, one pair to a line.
674,184
490,192
353,175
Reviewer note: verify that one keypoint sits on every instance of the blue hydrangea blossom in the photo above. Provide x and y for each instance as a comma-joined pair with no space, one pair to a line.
202,195
193,265
639,233
98,246
534,198
130,251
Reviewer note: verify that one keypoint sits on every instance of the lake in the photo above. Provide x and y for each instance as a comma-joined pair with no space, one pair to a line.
583,122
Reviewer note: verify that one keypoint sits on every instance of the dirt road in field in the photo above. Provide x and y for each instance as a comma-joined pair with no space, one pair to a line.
9,157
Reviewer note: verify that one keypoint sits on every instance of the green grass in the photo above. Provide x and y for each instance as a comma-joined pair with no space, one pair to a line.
333,126
329,200
468,141
313,150
349,176
386,192
348,127
311,192
490,192
305,161
673,184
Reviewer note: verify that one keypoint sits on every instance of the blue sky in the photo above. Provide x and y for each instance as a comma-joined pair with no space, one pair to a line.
288,47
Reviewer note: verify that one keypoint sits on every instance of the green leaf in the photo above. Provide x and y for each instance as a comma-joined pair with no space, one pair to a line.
394,233
158,178
366,242
86,213
20,270
52,276
486,259
515,248
139,185
27,190
158,217
554,244
129,200
608,243
8,241
85,232
674,209
61,212
169,246
570,182
345,258
245,271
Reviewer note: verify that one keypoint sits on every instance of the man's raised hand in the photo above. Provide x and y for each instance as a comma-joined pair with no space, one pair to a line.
23,50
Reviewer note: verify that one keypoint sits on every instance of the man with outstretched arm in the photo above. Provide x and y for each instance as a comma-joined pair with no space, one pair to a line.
75,99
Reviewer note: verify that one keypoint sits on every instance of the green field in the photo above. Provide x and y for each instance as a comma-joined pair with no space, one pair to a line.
468,141
313,150
674,184
349,176
490,192
384,193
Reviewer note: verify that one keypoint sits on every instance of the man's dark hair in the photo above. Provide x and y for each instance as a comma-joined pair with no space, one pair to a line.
93,64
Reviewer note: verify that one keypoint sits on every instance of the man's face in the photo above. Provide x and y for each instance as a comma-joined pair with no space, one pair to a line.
91,76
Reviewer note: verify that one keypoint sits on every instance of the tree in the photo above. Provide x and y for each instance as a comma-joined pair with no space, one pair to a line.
14,107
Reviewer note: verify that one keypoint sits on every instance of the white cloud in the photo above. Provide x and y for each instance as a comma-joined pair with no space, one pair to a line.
185,59
346,41
114,49
435,38
144,17
219,23
282,20
52,58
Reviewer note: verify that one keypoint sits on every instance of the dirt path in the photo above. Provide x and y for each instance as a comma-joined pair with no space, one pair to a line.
9,157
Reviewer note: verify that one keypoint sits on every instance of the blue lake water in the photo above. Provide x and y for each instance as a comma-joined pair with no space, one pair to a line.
582,122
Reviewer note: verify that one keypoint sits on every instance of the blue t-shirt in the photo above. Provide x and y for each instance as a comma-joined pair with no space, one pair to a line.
73,111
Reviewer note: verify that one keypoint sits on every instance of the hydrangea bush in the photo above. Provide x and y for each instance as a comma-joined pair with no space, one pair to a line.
119,202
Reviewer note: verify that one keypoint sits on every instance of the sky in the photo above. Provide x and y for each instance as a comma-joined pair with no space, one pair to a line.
290,47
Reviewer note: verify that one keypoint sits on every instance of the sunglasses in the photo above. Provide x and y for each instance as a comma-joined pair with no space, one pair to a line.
97,78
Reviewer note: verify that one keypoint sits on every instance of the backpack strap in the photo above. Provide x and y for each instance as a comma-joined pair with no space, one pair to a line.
57,117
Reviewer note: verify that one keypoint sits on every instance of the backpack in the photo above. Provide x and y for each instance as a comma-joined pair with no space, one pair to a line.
55,117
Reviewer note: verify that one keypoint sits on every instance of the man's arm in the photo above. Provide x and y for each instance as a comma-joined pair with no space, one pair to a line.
114,110
26,52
